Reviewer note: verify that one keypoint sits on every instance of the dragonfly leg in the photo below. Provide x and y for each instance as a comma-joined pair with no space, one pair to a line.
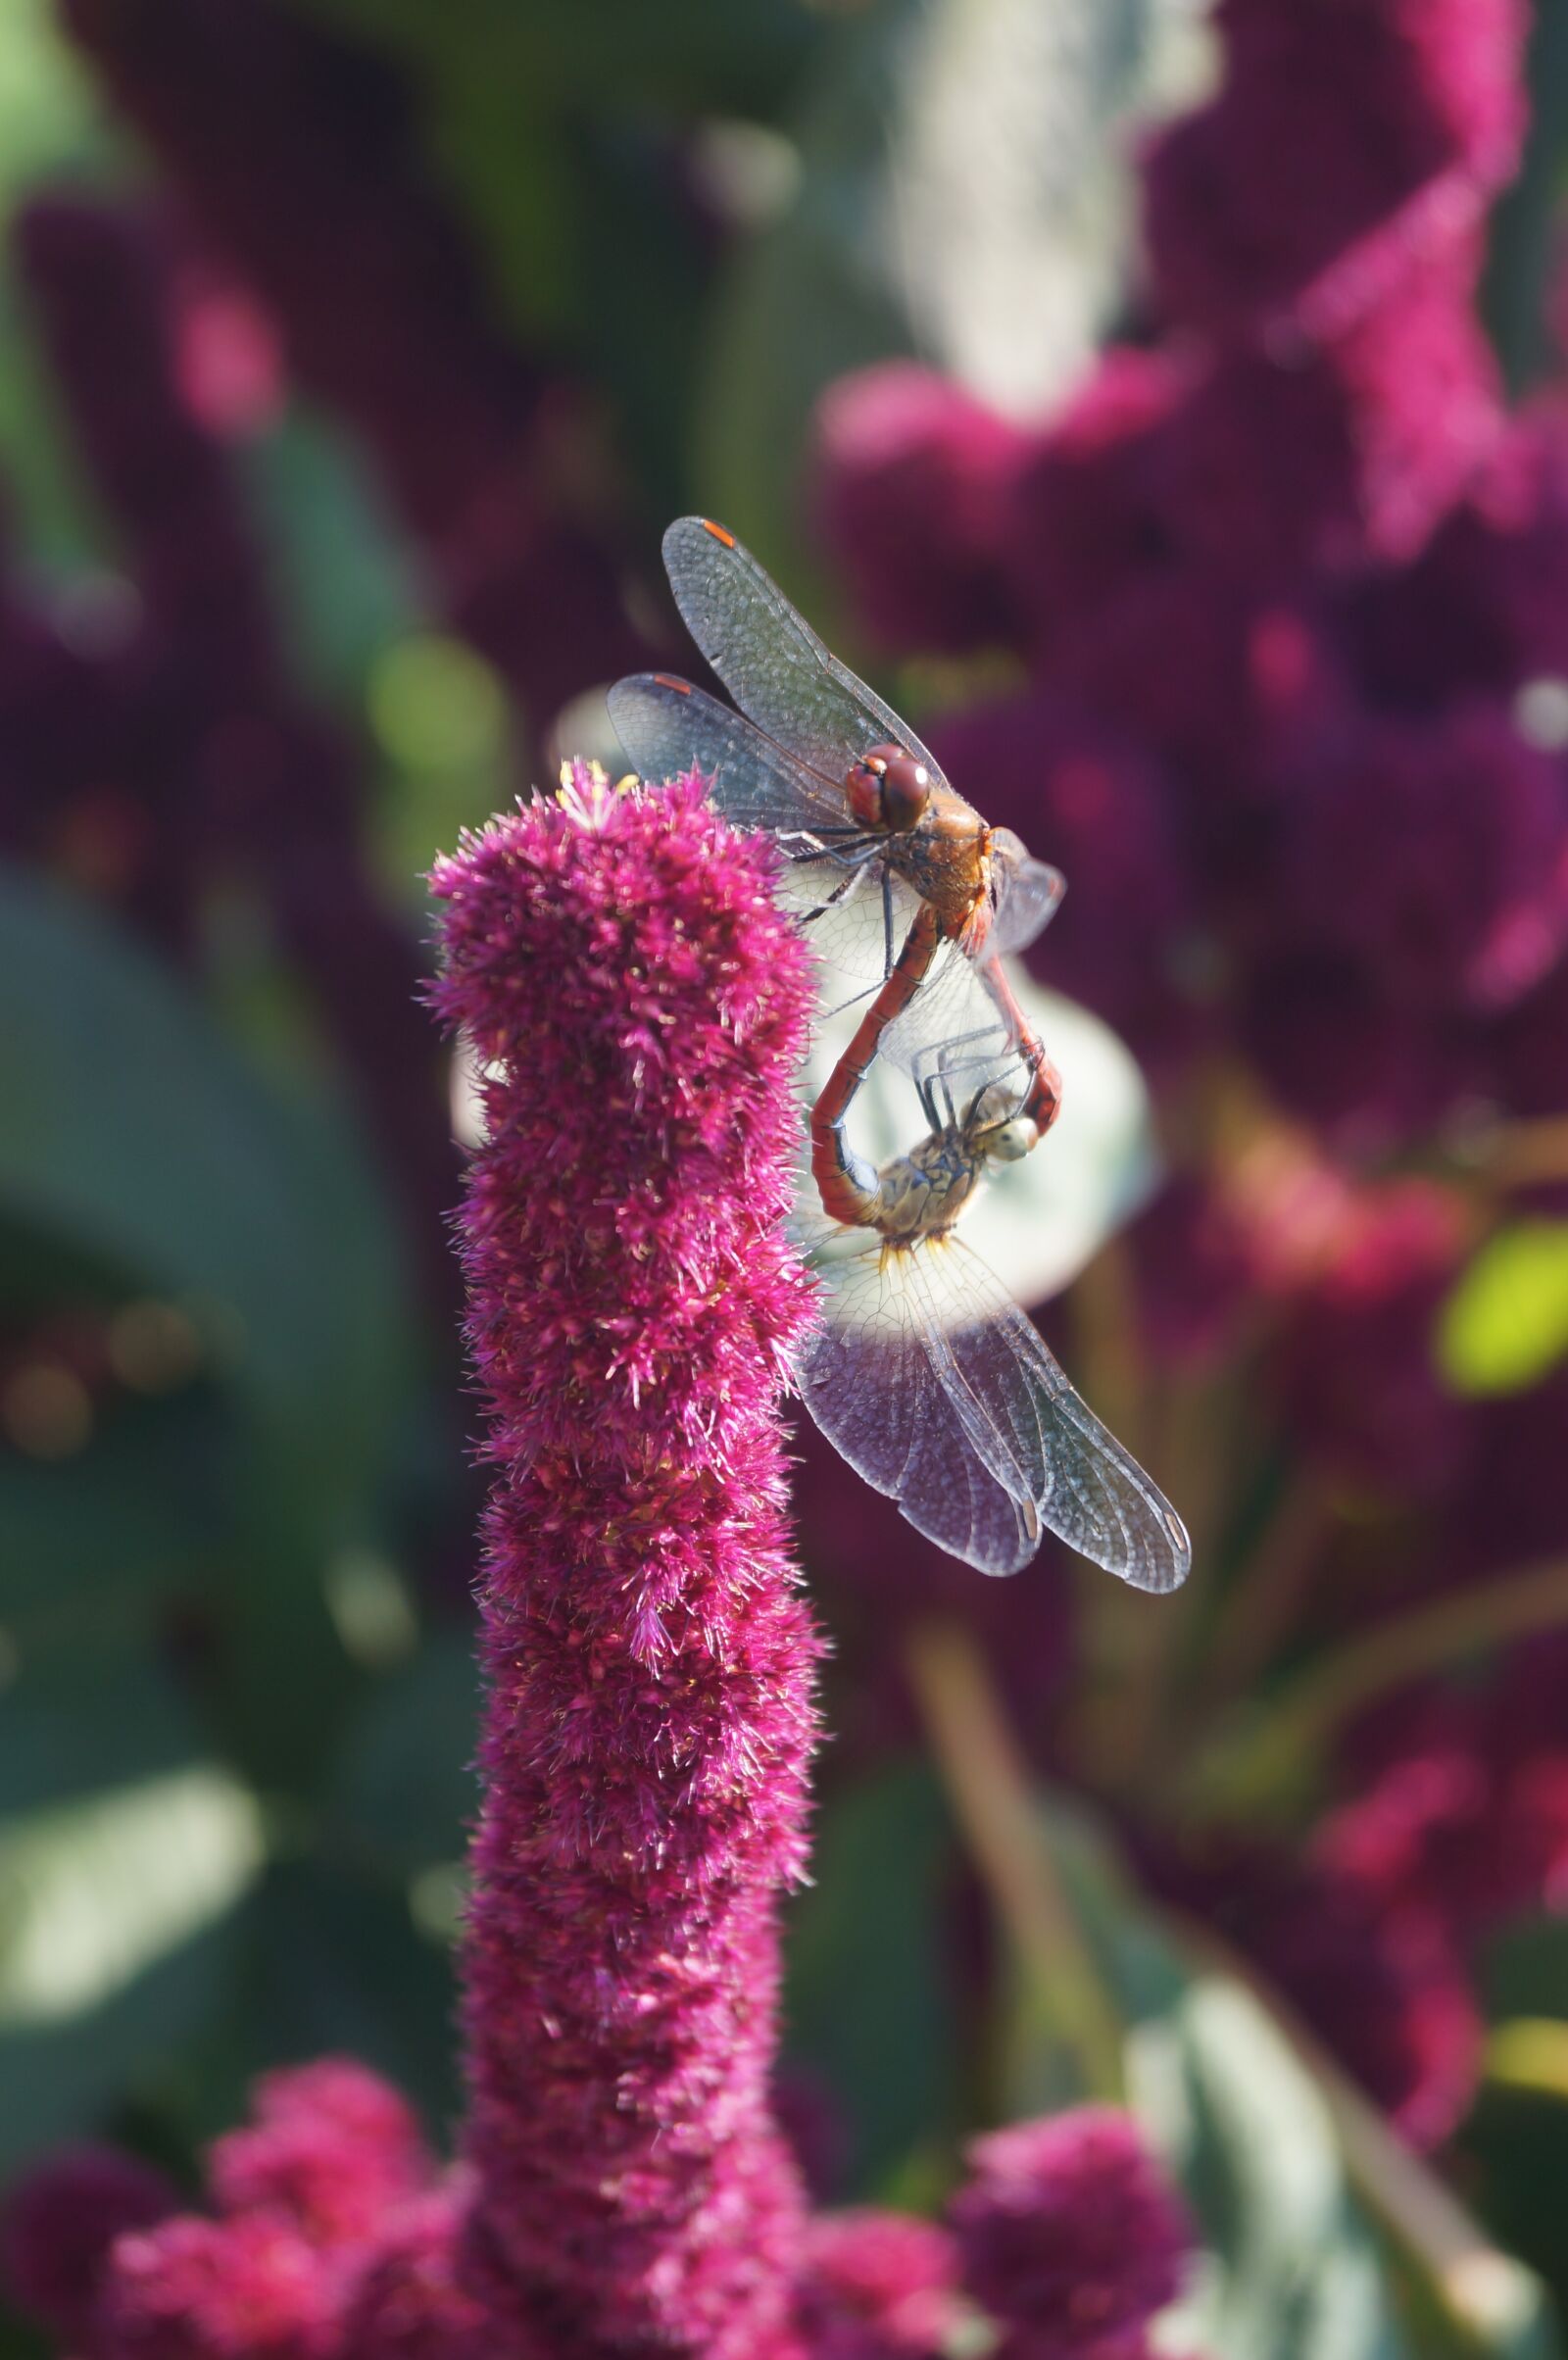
1041,1099
840,895
846,1182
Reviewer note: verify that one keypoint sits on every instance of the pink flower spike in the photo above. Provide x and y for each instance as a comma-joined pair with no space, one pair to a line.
638,1007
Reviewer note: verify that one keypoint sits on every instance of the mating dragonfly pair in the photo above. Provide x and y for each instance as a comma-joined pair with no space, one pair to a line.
924,1372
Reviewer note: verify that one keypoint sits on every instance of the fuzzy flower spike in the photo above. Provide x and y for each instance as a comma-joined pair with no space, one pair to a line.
638,1008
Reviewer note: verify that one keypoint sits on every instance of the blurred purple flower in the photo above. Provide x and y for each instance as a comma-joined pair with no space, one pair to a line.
1485,605
1354,1371
1346,143
198,717
914,477
1382,1985
1385,425
638,1007
1436,852
1193,1268
1073,785
382,313
1089,518
1070,2236
1460,1802
58,2226
879,2285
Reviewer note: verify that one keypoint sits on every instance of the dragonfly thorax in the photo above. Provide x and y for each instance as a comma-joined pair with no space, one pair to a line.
922,1194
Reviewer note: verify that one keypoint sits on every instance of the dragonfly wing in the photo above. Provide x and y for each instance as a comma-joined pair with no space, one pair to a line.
871,1376
667,726
771,660
1034,1432
1027,895
831,879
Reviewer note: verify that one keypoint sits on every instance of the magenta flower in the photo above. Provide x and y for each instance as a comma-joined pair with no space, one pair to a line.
1070,2236
252,2289
58,2227
1347,142
638,1006
333,2150
1354,1371
879,2285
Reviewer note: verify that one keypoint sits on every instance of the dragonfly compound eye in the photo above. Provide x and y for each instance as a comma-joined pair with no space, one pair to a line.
1012,1139
906,791
889,789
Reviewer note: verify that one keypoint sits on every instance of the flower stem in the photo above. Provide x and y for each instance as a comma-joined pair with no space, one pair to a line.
998,1811
1249,1767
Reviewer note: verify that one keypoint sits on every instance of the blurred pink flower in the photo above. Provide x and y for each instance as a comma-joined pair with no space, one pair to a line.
410,2303
1353,1370
879,2285
250,2288
1070,2236
915,478
1460,1799
331,2150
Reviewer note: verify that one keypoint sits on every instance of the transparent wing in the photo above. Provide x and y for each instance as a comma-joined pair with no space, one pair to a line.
770,659
857,912
1033,1432
955,1033
872,1377
667,726
1027,895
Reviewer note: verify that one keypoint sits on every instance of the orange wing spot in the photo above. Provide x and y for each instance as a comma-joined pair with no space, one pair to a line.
682,688
718,532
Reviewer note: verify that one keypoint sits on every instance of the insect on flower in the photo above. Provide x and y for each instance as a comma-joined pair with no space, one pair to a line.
897,877
925,1374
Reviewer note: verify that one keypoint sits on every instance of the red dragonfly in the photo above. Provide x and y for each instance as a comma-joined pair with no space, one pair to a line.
900,877
928,1378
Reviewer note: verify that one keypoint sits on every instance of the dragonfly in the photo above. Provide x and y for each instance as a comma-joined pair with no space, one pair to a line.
928,1378
897,875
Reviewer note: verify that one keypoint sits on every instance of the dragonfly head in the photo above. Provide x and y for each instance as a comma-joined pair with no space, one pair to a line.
889,789
996,1132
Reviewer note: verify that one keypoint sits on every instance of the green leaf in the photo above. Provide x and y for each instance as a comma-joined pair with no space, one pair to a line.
114,1913
129,1124
864,2007
337,1963
93,1892
402,1788
1505,1325
113,1529
1298,2268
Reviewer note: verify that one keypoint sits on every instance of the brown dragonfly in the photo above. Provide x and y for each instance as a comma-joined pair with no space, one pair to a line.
898,877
